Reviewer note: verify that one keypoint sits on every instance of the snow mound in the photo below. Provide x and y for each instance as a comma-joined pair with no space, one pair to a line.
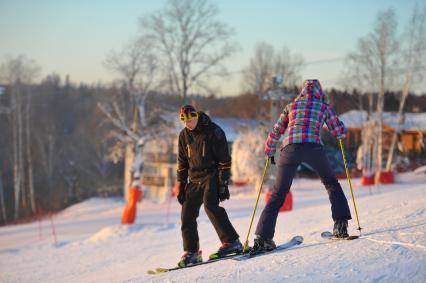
420,170
114,232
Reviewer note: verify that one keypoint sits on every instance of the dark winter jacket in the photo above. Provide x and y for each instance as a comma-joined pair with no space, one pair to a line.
203,152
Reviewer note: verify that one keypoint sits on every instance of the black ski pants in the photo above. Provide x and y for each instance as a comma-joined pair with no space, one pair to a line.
291,157
205,191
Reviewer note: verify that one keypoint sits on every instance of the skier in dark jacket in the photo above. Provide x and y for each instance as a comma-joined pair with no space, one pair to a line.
203,172
301,122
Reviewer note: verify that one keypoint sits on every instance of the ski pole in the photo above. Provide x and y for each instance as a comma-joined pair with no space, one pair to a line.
255,206
53,227
350,184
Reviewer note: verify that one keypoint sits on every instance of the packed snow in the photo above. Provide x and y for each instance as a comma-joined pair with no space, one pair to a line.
92,246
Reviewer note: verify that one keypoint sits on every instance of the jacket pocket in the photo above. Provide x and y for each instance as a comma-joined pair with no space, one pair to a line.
290,148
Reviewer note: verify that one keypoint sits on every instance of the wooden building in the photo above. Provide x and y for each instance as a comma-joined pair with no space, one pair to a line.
412,135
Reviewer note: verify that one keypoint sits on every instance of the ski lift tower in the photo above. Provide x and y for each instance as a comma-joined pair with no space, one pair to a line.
276,96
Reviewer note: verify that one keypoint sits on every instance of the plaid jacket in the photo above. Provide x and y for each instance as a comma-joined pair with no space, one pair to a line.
302,120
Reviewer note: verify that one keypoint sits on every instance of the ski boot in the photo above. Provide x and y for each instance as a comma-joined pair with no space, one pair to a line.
227,249
190,258
262,245
340,229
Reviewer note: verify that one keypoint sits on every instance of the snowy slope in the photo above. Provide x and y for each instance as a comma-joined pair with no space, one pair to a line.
92,247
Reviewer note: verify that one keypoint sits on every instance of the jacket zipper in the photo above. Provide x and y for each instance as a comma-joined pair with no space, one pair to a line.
189,150
204,148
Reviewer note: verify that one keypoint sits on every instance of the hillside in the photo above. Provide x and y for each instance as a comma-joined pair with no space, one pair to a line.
93,247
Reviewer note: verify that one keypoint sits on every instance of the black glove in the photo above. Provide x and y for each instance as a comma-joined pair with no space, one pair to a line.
181,194
223,191
272,159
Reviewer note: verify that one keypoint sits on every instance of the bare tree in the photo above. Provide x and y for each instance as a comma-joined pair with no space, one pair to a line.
361,73
266,63
415,41
3,110
289,65
257,75
191,42
385,45
28,139
372,65
19,72
47,145
136,65
2,204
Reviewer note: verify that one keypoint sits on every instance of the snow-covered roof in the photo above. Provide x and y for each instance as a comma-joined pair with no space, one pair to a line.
231,126
412,121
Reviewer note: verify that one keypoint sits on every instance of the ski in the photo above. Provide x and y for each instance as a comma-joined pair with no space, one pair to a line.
296,240
330,236
163,270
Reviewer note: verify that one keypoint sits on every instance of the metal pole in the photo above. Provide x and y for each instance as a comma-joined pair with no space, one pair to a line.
255,207
350,184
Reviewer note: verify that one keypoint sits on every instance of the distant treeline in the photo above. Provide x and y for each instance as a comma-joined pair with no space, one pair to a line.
70,138
252,106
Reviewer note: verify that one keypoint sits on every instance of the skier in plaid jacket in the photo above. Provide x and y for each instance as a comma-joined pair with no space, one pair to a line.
301,122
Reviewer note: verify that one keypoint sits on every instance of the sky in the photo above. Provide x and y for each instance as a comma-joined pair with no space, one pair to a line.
75,37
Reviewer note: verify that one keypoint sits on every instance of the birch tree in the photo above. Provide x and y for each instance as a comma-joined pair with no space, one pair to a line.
19,73
384,41
3,110
373,62
136,67
192,44
2,204
412,60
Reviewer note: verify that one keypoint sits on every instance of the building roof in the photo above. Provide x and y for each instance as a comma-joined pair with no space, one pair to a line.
231,126
412,121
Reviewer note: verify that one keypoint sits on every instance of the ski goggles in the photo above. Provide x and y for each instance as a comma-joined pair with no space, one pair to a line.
185,117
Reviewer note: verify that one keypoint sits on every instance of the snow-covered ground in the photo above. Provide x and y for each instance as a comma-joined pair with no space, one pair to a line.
93,247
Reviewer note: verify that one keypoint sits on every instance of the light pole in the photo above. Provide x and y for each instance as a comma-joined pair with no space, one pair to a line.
277,98
274,96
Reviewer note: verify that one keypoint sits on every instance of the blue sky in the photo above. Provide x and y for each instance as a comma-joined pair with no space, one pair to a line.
74,37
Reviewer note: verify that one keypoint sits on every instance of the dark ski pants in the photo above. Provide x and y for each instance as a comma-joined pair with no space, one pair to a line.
197,194
291,157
